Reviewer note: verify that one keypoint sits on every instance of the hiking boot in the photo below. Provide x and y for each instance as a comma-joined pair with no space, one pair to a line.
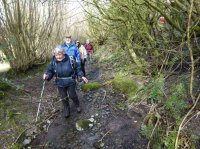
66,110
78,109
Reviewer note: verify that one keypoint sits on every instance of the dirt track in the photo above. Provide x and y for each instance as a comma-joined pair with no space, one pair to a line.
113,128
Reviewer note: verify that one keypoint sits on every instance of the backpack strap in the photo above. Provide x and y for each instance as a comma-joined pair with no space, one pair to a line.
72,62
54,66
73,65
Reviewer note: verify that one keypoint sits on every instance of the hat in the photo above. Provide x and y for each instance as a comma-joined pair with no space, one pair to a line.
68,36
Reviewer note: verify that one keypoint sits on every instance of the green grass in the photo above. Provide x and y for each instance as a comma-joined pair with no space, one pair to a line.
124,85
91,86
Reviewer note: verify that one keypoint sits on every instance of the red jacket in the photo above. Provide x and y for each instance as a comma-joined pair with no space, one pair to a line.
89,48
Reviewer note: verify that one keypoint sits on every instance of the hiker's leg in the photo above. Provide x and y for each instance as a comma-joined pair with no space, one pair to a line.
74,97
88,58
91,57
83,67
64,96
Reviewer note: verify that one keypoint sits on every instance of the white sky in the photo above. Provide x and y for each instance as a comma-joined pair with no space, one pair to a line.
75,11
76,20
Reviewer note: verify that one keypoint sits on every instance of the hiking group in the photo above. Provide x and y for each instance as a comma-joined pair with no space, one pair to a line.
67,65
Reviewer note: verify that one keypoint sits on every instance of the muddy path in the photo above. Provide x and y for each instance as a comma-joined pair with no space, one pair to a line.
113,128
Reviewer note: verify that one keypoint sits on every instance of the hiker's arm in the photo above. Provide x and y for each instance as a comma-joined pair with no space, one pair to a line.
79,71
50,71
80,74
78,56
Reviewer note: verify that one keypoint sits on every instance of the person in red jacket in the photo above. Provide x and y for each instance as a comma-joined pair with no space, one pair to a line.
89,48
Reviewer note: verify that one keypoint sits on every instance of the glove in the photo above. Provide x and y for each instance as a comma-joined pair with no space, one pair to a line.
45,76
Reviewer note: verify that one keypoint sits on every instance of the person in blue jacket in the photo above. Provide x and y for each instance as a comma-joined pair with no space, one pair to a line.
64,71
71,50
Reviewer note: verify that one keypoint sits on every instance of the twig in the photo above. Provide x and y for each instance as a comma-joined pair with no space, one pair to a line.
57,101
184,119
196,114
148,146
191,53
104,136
191,78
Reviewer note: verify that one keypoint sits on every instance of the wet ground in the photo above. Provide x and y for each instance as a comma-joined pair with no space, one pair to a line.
113,128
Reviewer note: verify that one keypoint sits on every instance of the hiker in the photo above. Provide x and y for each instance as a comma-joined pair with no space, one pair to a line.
64,70
71,50
83,54
89,48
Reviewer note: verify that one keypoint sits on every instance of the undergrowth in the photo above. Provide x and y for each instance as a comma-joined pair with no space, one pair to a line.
168,100
16,109
172,106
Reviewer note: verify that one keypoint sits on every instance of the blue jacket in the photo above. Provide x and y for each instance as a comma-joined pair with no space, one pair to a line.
72,50
65,74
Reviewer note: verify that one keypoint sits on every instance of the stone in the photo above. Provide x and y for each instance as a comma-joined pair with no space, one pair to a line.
26,142
91,119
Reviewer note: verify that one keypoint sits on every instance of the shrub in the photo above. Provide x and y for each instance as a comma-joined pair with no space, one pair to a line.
176,104
153,91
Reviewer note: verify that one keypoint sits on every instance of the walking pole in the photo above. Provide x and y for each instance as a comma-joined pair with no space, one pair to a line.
40,101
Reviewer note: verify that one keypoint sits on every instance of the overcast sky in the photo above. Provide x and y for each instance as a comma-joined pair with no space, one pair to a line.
75,11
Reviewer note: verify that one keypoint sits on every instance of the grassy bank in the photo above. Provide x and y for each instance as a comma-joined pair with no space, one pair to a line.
168,98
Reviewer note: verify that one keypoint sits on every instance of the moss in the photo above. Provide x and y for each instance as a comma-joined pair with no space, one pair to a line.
4,86
83,124
16,146
124,85
91,86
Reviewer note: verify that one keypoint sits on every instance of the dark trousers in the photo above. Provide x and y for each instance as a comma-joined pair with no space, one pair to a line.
70,92
83,67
